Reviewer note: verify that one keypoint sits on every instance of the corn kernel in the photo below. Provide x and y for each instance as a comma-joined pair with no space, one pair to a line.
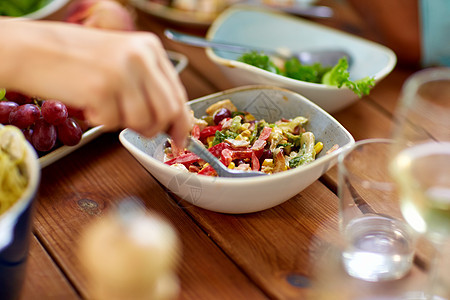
318,147
246,133
249,118
231,165
244,126
268,162
210,140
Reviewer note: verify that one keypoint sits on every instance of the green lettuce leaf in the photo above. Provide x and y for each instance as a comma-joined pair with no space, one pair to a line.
260,61
17,8
339,76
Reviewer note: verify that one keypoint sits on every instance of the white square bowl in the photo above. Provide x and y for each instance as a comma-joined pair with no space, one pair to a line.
272,30
251,194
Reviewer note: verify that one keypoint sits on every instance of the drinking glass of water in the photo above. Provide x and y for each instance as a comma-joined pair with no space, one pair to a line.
378,244
420,165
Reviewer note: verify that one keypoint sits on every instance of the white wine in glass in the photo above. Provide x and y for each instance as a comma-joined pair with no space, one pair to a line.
421,164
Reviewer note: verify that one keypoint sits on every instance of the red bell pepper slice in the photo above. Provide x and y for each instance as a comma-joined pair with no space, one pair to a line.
255,162
195,132
229,155
185,159
216,150
226,157
242,154
261,142
189,158
209,131
208,171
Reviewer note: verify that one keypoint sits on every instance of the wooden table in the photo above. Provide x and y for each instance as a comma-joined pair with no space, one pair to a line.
271,254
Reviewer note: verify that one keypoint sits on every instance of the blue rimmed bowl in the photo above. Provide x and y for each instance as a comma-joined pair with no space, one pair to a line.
15,231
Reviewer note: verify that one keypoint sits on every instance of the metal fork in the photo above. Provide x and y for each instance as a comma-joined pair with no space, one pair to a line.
327,57
199,149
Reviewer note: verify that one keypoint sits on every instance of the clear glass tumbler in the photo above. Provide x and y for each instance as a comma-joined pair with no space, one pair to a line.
377,242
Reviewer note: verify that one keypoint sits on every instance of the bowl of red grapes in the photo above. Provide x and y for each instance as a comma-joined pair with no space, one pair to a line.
46,123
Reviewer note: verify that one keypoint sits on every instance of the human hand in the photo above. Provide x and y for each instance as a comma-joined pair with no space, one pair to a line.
118,79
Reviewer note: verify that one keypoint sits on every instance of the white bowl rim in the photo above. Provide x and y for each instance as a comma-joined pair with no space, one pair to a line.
392,58
246,180
47,10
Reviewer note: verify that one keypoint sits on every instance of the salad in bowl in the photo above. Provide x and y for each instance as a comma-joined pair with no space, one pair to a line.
244,143
278,108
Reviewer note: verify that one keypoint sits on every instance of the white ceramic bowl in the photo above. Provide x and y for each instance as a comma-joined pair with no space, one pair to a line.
272,30
245,195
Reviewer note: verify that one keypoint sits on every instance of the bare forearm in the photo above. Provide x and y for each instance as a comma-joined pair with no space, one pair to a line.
33,55
118,78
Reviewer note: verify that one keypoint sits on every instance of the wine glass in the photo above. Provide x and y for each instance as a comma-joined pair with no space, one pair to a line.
421,166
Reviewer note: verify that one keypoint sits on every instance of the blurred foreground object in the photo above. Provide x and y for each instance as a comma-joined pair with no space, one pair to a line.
104,14
131,254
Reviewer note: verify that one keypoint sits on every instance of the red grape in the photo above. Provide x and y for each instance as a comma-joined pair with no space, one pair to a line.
6,107
28,133
69,132
84,124
43,122
17,97
54,112
221,114
24,115
44,135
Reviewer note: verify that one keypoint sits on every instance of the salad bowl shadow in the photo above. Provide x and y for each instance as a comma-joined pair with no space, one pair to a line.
267,29
251,194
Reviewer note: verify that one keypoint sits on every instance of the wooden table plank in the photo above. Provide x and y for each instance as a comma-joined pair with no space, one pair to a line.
195,86
82,187
44,280
276,247
387,93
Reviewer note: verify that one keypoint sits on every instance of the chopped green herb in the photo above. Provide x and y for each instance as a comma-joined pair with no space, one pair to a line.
259,60
316,73
220,136
237,113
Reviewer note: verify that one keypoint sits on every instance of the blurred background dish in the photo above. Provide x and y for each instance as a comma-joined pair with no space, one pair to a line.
251,194
179,61
187,12
31,9
202,13
274,30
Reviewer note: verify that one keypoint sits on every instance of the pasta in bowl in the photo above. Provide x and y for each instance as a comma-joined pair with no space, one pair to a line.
19,179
